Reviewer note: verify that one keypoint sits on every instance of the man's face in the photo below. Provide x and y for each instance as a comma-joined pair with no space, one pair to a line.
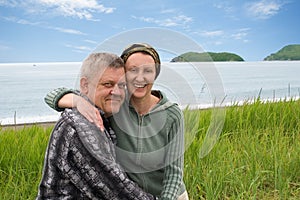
108,92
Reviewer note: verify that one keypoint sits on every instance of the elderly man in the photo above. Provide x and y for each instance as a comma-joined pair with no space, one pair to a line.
80,159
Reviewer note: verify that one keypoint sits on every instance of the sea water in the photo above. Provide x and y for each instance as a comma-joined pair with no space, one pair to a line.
24,85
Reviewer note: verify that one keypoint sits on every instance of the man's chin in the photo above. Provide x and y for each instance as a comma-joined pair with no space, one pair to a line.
115,109
112,107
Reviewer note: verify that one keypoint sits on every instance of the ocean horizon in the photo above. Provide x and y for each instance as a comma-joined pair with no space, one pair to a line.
199,85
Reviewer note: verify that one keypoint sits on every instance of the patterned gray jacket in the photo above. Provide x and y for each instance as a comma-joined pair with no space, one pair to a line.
80,163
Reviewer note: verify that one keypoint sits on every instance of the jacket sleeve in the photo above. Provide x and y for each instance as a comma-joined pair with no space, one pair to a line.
173,177
52,98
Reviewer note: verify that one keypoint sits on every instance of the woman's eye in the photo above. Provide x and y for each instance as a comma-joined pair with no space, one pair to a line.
149,71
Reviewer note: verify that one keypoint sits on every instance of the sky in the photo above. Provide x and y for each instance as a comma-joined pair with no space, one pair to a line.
68,30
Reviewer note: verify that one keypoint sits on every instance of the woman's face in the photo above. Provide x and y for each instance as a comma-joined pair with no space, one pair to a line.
140,74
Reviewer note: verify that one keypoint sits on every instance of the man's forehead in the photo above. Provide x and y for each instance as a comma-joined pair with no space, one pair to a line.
112,74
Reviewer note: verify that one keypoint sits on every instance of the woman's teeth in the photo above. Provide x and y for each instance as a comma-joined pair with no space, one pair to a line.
139,85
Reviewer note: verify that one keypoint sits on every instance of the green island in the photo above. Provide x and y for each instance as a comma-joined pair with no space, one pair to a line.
207,57
289,52
257,155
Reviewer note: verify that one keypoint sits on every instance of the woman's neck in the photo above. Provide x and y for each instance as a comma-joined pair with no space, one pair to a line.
144,105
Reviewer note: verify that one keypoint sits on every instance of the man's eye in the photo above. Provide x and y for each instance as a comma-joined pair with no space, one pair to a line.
122,85
108,85
133,70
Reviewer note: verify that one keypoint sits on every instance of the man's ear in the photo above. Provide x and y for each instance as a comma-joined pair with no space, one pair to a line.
84,85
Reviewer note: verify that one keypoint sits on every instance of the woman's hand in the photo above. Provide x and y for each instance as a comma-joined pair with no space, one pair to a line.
88,111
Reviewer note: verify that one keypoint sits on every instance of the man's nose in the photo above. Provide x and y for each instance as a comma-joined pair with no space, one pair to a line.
116,90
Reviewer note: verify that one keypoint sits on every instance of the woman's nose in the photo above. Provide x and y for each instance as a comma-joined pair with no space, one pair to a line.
140,76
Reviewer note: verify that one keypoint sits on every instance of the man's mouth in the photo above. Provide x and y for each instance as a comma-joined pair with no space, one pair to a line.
115,99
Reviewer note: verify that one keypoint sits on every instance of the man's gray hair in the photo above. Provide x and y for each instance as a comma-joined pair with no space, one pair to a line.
98,62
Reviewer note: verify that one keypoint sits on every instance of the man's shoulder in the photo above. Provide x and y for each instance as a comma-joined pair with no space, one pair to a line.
73,115
72,121
95,141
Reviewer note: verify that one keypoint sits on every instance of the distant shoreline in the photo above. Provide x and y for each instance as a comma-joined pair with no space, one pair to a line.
47,124
23,125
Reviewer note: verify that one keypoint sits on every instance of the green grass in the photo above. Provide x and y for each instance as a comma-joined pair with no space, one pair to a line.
21,161
257,155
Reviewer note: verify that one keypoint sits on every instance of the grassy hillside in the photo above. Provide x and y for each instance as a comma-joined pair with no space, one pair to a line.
207,57
256,157
289,52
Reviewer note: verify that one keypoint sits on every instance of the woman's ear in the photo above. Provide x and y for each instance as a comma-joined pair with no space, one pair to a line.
84,85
